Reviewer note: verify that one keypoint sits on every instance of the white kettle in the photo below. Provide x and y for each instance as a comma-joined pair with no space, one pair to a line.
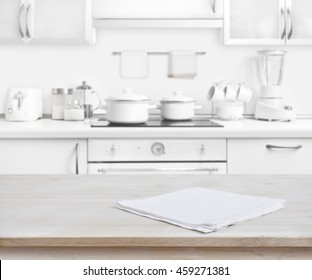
23,104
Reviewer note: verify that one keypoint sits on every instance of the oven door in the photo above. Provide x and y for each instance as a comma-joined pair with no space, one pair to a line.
158,168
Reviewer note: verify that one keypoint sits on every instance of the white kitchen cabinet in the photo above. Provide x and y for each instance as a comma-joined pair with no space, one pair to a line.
43,156
46,21
66,21
299,20
270,156
10,16
158,13
267,22
252,21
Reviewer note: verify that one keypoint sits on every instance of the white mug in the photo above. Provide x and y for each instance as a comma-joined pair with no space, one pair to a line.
231,93
244,94
216,93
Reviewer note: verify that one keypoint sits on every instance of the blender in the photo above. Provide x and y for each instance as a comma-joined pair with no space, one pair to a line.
270,106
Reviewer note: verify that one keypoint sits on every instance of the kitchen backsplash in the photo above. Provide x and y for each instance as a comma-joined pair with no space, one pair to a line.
47,67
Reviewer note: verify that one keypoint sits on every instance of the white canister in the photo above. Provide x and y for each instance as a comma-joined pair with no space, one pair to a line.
60,97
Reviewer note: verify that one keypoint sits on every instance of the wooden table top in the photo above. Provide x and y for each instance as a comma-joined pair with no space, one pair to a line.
62,211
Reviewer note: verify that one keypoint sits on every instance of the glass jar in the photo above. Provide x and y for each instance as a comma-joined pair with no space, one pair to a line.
60,98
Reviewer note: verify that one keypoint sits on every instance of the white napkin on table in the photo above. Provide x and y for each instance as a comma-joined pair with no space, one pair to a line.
202,209
134,64
182,64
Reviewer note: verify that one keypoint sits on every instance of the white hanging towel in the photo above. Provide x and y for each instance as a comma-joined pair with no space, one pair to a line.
182,64
202,209
134,65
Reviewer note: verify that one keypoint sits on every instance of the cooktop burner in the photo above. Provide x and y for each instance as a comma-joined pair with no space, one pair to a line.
160,123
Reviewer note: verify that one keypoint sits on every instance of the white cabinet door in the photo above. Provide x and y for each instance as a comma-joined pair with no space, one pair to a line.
157,9
43,156
299,22
62,21
11,11
254,22
270,156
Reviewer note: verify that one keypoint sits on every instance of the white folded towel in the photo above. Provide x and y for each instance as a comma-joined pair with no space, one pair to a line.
134,64
202,209
182,64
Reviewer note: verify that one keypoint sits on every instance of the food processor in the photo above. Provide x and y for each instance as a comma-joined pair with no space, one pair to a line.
270,106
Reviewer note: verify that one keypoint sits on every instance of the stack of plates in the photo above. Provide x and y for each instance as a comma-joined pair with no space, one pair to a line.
202,209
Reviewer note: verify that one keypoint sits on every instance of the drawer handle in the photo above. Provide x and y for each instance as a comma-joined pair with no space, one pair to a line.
271,147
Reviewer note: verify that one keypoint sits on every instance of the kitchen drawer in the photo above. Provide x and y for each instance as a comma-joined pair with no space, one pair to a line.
270,156
156,150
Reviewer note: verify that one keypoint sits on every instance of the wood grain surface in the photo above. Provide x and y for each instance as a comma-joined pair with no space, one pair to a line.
78,212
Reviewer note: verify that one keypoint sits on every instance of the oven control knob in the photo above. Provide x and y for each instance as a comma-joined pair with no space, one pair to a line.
202,150
112,151
158,149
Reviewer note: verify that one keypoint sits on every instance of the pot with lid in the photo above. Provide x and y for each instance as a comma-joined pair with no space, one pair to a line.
178,107
127,108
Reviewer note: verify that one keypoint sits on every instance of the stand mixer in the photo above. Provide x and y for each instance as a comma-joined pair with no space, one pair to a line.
270,106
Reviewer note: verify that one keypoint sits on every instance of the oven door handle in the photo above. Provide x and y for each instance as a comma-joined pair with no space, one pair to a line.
129,170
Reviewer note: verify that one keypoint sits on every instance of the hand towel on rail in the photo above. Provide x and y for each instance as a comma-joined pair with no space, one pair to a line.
182,64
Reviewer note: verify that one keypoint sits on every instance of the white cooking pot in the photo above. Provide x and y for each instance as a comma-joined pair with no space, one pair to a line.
178,107
127,108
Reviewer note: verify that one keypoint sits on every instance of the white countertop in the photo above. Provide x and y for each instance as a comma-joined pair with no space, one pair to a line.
247,128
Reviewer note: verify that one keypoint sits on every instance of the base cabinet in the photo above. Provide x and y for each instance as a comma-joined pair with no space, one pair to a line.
43,156
270,156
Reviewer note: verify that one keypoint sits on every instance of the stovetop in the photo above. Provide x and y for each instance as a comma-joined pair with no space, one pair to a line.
160,123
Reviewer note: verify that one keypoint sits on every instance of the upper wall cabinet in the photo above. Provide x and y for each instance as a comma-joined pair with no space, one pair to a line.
158,13
10,11
46,21
267,22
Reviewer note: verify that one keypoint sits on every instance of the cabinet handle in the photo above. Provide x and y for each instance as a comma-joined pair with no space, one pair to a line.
22,35
285,26
291,25
142,170
27,22
77,158
271,147
214,5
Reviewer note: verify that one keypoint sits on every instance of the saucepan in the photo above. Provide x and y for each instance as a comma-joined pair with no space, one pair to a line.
127,108
178,107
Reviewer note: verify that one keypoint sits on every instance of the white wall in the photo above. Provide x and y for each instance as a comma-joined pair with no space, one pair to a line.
66,66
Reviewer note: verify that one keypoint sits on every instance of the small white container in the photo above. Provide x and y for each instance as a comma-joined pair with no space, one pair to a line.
230,113
74,112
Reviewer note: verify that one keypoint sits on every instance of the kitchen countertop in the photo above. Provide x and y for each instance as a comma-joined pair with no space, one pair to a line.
247,128
42,215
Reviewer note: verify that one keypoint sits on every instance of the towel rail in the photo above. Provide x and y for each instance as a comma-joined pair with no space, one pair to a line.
160,53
